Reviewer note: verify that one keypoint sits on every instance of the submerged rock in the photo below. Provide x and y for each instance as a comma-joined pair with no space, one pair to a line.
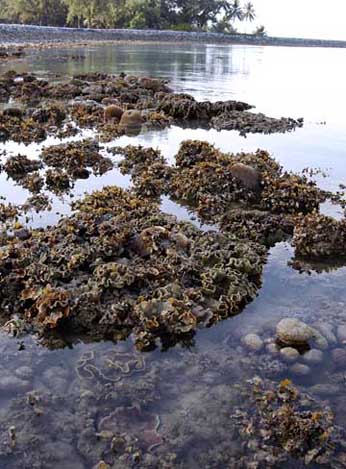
253,342
12,384
300,369
327,330
293,331
339,358
313,356
341,333
289,354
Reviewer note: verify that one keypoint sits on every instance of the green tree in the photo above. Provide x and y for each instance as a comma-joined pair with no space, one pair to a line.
90,13
260,31
234,11
42,12
249,12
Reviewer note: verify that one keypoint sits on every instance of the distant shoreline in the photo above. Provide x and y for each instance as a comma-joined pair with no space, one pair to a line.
36,36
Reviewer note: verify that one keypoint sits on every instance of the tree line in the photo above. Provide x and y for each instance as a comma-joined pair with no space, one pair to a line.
188,15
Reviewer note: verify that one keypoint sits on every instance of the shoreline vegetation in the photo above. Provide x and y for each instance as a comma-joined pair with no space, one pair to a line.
34,36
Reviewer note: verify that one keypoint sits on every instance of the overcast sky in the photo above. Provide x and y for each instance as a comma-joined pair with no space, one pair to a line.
325,19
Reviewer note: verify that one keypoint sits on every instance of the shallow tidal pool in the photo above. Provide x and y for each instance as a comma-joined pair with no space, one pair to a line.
176,407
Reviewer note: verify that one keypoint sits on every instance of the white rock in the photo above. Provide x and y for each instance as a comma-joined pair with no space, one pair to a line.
326,330
293,331
273,349
341,333
289,354
253,342
313,356
300,369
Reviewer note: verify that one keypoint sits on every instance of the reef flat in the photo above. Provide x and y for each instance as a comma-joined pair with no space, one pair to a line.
118,268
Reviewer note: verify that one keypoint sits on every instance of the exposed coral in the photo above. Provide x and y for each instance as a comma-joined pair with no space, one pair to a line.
17,167
147,100
124,264
249,122
319,236
57,180
287,425
76,157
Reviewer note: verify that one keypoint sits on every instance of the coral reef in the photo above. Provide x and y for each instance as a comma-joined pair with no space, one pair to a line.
123,264
287,425
319,236
114,105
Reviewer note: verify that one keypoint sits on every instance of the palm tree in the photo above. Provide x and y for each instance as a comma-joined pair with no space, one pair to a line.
249,12
235,11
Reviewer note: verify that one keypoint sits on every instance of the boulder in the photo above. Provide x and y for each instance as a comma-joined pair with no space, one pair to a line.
113,112
289,354
253,342
150,83
247,175
131,120
292,331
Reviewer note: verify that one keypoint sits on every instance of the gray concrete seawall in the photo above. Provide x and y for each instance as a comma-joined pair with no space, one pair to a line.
23,34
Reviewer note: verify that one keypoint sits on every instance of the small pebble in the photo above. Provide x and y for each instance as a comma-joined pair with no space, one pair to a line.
300,369
326,330
320,341
339,357
325,389
253,342
313,356
289,354
341,333
273,349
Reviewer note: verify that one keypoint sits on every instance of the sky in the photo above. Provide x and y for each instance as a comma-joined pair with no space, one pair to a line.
318,19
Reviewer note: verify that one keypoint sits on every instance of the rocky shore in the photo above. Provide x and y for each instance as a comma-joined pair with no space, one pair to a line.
24,34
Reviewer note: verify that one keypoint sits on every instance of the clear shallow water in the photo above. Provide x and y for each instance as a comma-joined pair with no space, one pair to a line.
191,389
